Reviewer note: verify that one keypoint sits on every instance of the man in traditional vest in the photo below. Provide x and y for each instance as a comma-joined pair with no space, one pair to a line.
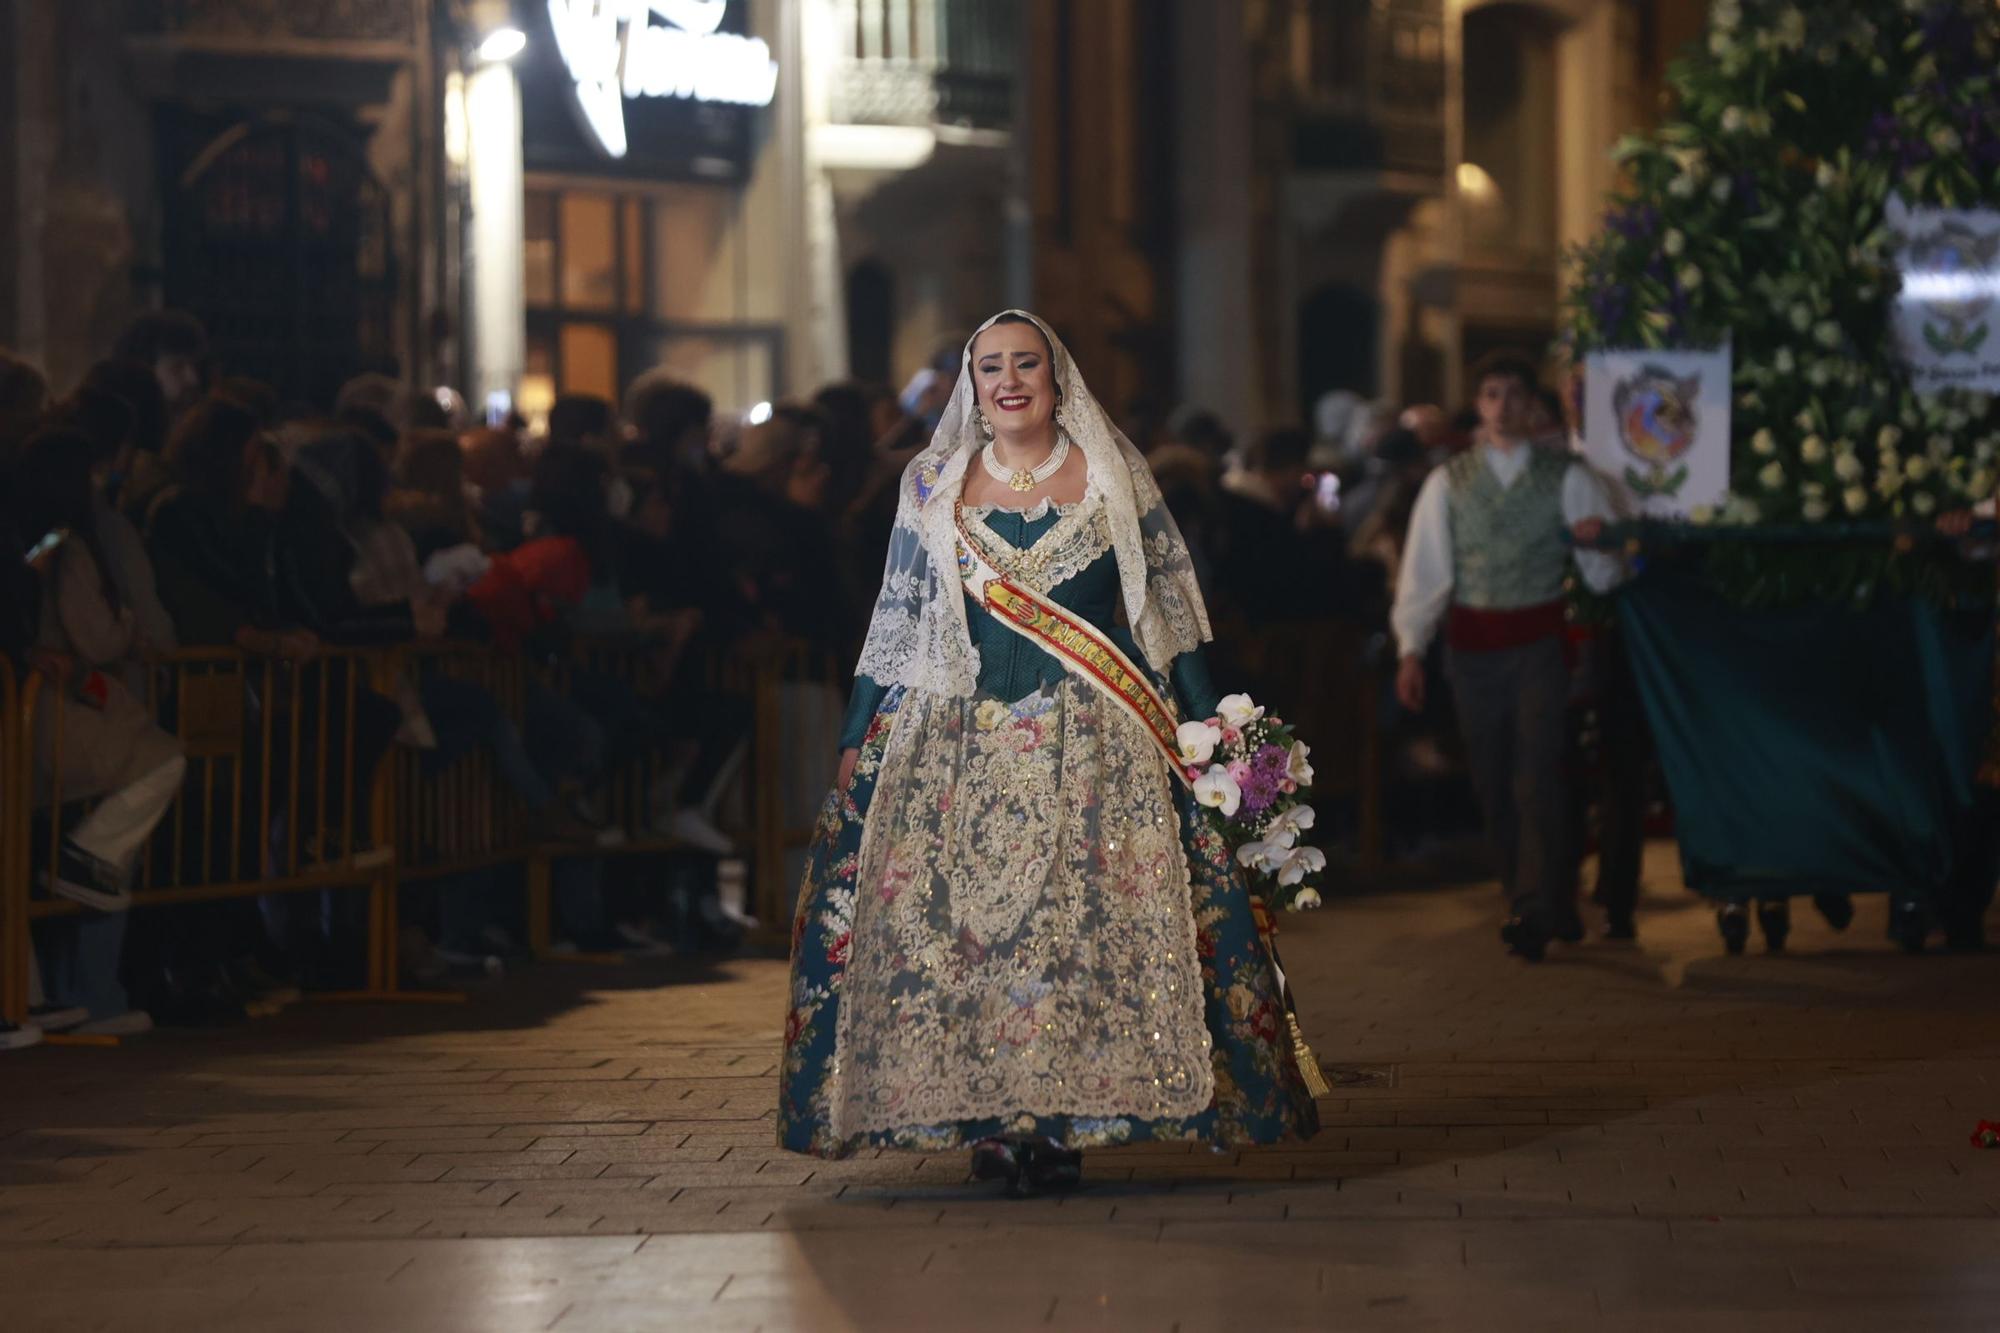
1486,557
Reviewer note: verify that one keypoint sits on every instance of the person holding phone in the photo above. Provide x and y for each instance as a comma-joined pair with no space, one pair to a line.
94,740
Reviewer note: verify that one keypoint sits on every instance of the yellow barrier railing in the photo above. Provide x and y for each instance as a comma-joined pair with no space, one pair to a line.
271,802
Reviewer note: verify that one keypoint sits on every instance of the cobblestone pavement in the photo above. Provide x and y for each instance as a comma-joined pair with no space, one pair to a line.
1651,1137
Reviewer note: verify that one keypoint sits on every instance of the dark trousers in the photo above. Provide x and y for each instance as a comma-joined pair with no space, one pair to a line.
1512,709
1623,750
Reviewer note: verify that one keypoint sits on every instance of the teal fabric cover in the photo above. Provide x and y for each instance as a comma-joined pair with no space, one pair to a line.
1811,749
1012,668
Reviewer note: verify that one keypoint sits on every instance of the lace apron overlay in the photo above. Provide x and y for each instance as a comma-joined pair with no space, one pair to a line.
1022,936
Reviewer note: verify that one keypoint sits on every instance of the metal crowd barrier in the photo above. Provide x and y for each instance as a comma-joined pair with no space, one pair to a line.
271,802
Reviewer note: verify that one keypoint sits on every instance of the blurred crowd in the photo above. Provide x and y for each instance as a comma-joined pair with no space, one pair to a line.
164,503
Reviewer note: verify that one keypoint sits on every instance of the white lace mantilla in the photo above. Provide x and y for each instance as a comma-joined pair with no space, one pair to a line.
919,637
1022,938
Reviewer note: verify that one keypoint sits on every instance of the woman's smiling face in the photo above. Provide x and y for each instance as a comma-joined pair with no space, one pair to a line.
1015,382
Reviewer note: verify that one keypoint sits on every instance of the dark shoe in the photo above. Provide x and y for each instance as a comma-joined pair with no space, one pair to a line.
1568,927
1620,928
997,1159
1837,908
1910,925
1733,920
1775,918
1049,1167
1524,939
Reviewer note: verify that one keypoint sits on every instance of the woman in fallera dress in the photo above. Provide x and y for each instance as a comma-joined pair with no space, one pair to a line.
1018,933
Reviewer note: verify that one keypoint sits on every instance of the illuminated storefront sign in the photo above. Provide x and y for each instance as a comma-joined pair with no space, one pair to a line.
613,50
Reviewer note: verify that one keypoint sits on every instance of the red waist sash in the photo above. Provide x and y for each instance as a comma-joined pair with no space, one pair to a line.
1470,629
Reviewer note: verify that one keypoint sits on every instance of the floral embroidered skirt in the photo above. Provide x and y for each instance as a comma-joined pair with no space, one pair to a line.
1037,937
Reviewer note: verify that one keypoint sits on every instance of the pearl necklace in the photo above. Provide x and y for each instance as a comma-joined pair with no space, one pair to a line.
1027,478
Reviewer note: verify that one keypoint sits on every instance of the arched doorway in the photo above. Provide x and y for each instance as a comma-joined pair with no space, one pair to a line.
278,238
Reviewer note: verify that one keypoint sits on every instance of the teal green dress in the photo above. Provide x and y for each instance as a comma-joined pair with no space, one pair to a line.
1259,1095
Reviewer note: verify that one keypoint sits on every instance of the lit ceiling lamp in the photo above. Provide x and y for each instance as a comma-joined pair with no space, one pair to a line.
502,44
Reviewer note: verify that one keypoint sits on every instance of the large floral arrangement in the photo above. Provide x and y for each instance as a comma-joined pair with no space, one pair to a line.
1758,214
1250,774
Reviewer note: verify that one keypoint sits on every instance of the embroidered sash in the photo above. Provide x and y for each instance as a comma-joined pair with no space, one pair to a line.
1083,649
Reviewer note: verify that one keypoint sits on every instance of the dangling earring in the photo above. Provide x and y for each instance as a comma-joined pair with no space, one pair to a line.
985,426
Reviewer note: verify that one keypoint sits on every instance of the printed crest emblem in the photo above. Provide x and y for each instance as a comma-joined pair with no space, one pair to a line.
1658,423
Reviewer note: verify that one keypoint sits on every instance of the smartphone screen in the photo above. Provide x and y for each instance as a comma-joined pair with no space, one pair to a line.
1327,492
47,545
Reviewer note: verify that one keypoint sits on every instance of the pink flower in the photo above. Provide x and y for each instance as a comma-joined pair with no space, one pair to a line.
1239,769
1288,786
1231,736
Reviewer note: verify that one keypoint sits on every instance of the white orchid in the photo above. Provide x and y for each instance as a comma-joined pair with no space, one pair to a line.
1238,710
1218,791
1292,822
1303,861
1266,854
1298,767
1305,900
1195,742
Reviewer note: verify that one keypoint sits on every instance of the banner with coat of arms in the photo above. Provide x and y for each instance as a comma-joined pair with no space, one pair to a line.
1656,424
1949,260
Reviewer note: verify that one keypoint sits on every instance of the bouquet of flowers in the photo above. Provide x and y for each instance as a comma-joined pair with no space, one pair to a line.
1251,776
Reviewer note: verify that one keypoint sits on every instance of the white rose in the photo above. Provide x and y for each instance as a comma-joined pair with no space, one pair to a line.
1923,502
1303,861
1826,177
1237,710
1813,450
1196,742
1218,791
1690,277
1764,442
1890,437
1732,118
1305,900
1298,768
1855,498
1814,510
1847,467
1916,468
1772,475
1673,242
1828,333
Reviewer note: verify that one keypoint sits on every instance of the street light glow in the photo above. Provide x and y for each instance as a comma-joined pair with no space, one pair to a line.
502,44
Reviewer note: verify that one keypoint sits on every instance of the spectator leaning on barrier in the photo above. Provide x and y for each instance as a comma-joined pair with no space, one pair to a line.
174,346
94,740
